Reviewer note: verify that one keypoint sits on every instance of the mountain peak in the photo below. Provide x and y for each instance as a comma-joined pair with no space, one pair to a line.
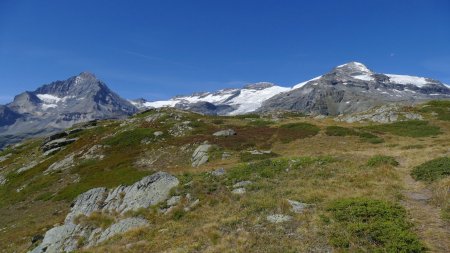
354,67
85,76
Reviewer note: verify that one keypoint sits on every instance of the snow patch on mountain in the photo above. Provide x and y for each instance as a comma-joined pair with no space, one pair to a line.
404,79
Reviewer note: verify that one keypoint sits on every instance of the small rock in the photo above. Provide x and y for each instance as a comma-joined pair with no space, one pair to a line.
278,218
297,207
173,200
3,180
239,191
225,155
260,152
192,205
227,132
200,155
52,151
27,167
122,227
242,184
158,133
218,172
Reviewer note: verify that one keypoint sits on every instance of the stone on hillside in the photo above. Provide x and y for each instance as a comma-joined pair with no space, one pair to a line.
65,163
242,184
52,151
218,172
225,155
27,167
227,132
147,192
158,133
200,155
260,152
57,143
3,180
154,117
55,137
297,207
150,190
173,200
278,218
93,153
239,191
121,227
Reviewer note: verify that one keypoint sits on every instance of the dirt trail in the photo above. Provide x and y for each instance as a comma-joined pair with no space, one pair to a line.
434,232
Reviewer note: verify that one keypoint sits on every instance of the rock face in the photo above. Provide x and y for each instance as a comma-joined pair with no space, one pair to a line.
200,155
60,105
352,87
149,191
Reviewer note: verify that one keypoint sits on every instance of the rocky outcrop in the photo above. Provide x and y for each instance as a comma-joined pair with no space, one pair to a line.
149,191
57,143
200,155
382,114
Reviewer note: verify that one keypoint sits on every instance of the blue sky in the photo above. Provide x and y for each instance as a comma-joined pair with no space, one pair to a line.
157,49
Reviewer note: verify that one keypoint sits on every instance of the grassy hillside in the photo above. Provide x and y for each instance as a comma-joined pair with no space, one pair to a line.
367,187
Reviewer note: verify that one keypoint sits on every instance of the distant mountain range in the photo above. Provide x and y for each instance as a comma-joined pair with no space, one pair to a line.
348,88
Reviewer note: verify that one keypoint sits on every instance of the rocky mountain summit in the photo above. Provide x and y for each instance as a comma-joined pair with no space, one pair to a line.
59,105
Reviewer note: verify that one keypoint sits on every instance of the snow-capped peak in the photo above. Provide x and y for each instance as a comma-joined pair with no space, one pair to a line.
355,66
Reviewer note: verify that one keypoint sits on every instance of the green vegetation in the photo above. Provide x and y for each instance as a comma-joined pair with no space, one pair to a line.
247,156
432,170
343,131
129,138
292,131
441,107
372,225
379,160
410,128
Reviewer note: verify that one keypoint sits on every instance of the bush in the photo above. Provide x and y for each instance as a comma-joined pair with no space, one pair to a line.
375,225
410,128
379,160
432,170
293,131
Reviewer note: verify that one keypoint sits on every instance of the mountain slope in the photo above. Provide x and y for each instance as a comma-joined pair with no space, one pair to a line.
352,87
59,105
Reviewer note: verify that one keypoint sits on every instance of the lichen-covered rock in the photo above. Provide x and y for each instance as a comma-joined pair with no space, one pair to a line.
200,155
150,190
93,152
224,133
147,192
